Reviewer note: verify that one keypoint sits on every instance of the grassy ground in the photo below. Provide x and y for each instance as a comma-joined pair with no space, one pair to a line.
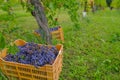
91,52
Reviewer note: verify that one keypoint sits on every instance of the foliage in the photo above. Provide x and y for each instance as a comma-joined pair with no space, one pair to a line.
7,6
52,9
116,3
2,41
100,3
73,7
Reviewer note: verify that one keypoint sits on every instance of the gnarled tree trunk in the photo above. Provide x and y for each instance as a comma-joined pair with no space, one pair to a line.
109,3
85,6
41,19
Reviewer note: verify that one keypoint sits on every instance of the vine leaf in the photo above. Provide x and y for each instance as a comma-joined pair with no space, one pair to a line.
2,41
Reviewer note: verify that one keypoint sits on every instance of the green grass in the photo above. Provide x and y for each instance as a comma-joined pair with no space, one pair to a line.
91,52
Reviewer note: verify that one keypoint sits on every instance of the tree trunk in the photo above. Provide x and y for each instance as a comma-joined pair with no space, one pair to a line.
85,6
92,6
109,3
41,19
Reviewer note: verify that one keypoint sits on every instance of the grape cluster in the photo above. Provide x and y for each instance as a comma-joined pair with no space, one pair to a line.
34,54
54,29
51,29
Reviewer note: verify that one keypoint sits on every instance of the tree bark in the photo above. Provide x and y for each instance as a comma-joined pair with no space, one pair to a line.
109,3
41,19
92,6
85,6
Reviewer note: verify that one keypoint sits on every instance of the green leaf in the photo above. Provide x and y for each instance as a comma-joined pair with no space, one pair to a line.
2,41
51,5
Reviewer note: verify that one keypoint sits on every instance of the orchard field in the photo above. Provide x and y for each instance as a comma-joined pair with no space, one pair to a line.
91,52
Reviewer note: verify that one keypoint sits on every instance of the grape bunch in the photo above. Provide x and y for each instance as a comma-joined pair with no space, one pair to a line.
51,29
54,29
34,54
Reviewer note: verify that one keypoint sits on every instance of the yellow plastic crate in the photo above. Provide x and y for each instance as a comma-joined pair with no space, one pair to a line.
18,71
58,34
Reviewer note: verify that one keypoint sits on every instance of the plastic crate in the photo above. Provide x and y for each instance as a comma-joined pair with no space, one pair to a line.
18,71
58,34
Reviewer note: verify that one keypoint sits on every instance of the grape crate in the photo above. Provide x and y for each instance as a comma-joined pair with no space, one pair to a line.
32,62
34,54
56,32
